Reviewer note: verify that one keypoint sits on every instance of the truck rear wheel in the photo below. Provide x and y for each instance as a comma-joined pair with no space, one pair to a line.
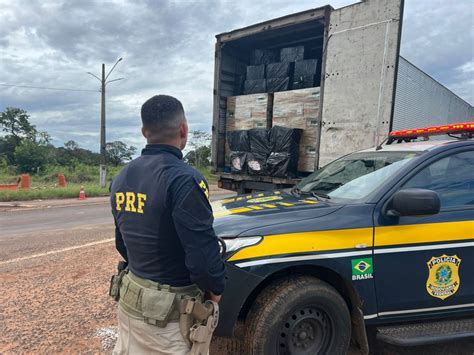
302,315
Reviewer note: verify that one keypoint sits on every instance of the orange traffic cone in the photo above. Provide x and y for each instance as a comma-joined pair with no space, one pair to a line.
82,194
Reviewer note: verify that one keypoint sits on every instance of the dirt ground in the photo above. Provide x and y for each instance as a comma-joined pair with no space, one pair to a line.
58,303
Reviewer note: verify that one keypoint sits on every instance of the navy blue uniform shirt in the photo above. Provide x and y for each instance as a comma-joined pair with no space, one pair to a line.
164,221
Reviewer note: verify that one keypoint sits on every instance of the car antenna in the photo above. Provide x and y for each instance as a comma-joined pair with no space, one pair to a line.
379,147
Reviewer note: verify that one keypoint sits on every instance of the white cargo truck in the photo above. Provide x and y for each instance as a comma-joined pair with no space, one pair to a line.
364,88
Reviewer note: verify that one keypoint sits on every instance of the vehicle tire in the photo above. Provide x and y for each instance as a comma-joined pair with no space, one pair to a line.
301,315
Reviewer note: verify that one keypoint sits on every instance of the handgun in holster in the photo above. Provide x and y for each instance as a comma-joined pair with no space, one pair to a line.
116,280
197,323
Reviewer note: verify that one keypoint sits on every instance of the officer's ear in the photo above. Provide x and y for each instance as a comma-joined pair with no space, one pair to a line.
144,132
183,133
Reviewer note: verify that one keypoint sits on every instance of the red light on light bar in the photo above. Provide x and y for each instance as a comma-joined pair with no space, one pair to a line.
434,130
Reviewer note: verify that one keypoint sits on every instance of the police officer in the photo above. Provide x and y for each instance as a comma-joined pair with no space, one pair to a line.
164,231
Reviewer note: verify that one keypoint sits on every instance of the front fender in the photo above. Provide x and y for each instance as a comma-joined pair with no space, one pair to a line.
240,285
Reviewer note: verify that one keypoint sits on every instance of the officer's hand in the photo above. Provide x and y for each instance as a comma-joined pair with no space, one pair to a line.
212,297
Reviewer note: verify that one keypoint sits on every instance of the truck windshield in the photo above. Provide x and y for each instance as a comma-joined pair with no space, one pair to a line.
355,176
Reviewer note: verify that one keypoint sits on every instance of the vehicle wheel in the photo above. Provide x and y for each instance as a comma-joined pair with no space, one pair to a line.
302,315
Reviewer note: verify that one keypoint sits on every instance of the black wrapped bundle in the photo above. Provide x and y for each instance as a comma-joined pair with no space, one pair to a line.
238,162
305,74
256,163
303,82
278,70
282,164
285,140
259,140
255,72
255,86
264,56
278,84
306,67
292,54
238,84
238,140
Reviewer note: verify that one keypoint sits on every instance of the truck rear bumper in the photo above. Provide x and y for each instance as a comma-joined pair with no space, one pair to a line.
247,183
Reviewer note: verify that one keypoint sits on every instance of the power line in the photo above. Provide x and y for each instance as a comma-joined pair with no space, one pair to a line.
46,88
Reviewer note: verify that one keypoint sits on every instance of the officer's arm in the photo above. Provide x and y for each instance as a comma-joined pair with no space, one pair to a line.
119,243
192,215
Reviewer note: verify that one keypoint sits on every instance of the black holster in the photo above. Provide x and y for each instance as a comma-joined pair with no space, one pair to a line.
116,280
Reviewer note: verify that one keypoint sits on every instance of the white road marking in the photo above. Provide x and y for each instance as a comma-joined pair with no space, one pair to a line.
57,251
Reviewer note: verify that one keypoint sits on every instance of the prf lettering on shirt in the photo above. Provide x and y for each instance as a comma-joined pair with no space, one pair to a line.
130,201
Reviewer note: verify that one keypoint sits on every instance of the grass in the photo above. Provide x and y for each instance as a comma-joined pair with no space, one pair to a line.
206,172
46,193
44,187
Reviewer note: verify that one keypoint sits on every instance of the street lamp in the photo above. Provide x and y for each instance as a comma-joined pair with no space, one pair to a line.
103,83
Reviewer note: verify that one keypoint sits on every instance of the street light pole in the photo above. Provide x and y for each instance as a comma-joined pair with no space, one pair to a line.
103,156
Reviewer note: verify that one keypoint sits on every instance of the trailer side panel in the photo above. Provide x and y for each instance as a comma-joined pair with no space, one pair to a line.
422,101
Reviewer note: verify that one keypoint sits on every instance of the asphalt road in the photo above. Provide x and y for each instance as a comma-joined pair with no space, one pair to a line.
55,264
26,220
38,220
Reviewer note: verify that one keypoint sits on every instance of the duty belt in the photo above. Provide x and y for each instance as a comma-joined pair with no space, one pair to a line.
156,303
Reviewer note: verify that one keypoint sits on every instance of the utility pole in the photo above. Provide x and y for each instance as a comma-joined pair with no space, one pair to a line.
103,158
103,152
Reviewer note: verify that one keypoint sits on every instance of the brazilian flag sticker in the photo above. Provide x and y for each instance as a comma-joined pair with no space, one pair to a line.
362,269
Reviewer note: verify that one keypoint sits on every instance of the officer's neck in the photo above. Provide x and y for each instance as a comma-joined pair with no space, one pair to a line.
174,143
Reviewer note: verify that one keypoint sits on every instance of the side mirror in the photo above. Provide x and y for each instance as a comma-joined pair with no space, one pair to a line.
414,202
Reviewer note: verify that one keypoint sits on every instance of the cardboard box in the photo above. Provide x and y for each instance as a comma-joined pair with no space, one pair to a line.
300,109
249,111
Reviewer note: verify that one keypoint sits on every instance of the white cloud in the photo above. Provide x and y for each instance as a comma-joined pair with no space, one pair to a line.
466,68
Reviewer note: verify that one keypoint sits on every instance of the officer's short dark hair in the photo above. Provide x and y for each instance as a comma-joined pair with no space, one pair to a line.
162,115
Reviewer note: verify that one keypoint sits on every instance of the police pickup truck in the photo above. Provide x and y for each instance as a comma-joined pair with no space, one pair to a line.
381,239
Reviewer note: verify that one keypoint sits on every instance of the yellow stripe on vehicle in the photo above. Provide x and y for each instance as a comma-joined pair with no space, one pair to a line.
233,211
286,204
405,235
424,233
307,242
310,202
267,205
256,208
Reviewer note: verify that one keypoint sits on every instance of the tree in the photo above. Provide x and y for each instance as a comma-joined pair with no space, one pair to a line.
198,142
71,145
118,152
30,156
15,122
7,148
202,153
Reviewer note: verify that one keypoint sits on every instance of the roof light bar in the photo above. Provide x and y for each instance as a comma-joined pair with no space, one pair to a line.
464,127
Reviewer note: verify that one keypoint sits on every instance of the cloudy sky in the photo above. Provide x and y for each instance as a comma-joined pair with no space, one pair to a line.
168,47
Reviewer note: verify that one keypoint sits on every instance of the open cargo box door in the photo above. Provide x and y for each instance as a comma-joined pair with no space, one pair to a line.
361,59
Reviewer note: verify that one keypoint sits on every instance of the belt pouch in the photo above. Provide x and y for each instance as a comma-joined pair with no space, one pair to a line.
157,306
